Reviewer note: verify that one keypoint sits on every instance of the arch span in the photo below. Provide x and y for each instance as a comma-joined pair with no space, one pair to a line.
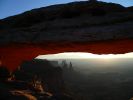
12,55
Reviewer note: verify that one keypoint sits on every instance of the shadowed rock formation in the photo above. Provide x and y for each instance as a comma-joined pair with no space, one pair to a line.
34,80
81,26
84,21
43,71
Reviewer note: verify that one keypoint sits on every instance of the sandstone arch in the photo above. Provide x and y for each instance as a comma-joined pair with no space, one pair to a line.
12,55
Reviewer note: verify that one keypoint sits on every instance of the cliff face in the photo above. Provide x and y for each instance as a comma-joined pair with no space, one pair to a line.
34,80
43,71
83,21
76,27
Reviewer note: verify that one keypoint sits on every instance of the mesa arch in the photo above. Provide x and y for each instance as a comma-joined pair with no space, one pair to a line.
12,55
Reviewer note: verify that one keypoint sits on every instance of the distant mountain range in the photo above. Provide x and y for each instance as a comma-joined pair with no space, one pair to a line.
76,21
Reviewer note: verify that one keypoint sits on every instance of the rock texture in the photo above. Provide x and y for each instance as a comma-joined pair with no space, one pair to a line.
98,27
34,80
76,21
44,71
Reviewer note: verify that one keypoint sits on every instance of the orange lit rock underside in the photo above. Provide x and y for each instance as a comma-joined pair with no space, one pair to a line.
12,55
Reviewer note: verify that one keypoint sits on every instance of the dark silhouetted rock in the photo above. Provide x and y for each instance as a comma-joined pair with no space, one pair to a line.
82,20
50,76
4,73
61,97
130,9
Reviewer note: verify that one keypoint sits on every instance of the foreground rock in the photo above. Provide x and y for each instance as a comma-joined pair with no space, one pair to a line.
34,80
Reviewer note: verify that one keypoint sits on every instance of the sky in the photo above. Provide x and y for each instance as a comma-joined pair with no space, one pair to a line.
13,7
83,55
87,60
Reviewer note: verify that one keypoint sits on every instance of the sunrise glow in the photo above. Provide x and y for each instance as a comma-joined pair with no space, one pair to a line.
80,55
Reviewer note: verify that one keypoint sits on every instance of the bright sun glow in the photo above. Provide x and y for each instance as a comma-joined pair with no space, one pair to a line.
80,55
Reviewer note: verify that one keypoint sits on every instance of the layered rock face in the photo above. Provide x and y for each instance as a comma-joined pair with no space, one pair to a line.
42,71
98,27
77,21
35,80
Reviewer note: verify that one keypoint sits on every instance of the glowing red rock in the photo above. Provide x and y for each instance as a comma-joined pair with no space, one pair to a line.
12,55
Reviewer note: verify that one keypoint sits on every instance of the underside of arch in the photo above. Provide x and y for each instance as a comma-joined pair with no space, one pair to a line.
12,55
